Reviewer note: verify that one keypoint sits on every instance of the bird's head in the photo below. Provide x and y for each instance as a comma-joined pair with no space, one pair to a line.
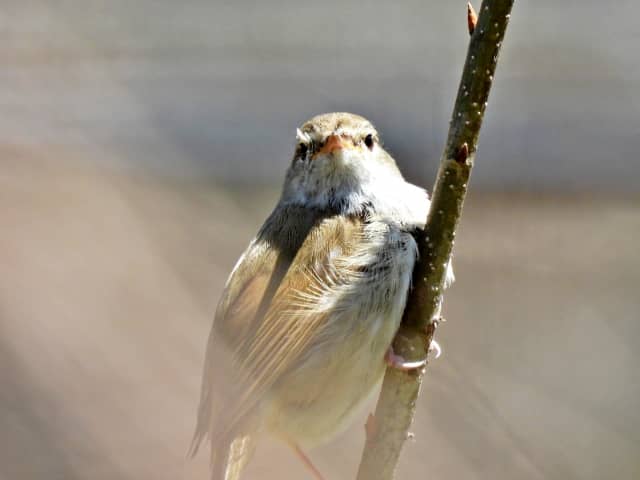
338,161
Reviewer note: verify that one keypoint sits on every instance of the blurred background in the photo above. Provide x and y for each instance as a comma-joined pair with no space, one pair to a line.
143,143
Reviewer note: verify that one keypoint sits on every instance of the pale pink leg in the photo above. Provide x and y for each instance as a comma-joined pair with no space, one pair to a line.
397,361
307,462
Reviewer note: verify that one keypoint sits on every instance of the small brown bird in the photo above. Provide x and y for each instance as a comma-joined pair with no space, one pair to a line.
303,331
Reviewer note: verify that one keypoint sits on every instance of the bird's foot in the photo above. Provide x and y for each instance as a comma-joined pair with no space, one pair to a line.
398,361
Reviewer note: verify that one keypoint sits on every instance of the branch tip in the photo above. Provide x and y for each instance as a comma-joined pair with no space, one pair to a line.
472,18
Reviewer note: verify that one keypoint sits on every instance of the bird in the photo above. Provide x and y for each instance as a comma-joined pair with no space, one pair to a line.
302,333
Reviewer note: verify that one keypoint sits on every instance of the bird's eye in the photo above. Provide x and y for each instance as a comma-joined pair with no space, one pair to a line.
368,141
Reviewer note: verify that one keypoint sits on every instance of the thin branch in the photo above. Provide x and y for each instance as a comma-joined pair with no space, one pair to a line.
388,428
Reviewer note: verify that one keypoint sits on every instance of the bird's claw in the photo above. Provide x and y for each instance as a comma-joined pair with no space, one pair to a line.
435,347
398,362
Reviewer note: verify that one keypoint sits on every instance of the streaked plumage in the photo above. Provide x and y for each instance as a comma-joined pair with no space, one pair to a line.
300,333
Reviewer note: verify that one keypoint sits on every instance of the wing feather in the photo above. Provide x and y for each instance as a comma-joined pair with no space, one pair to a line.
298,311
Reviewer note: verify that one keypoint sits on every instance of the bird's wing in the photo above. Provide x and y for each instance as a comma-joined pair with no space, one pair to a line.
235,317
322,270
242,310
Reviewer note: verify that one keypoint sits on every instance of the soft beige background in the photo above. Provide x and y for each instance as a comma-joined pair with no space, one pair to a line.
143,143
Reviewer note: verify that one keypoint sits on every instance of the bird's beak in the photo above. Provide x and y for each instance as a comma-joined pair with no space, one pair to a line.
334,143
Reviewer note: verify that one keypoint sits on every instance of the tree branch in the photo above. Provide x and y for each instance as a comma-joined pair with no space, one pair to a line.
388,428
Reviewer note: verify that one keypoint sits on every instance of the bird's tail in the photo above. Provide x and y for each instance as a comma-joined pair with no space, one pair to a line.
229,456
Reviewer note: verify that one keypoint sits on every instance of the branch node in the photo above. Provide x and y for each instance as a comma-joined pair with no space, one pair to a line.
472,18
462,154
